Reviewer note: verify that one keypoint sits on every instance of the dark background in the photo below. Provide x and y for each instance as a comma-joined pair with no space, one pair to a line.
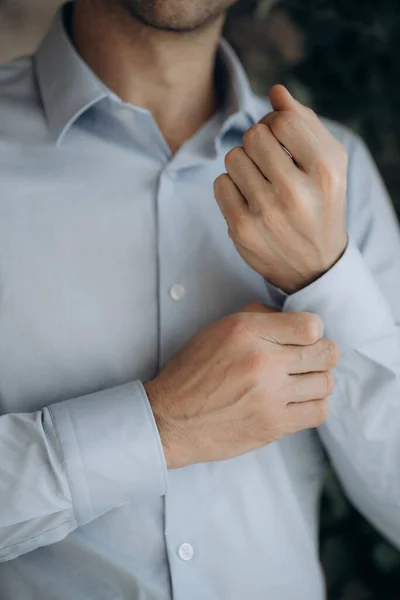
342,57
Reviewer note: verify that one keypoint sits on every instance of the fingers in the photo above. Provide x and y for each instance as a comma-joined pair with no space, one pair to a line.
311,386
322,356
266,152
325,143
263,161
307,415
297,136
248,178
282,100
230,201
294,329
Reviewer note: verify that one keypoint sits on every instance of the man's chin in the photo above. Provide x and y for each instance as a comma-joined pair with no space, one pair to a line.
174,16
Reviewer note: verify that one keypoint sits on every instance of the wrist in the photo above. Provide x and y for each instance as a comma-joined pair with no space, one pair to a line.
173,439
302,279
348,301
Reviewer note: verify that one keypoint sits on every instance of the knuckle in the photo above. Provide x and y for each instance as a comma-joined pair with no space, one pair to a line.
239,227
335,180
282,120
221,182
323,165
313,327
222,186
254,364
309,327
331,175
253,135
331,352
238,327
233,157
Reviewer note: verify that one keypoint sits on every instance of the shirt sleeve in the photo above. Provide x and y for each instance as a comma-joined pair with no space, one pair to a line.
73,461
359,302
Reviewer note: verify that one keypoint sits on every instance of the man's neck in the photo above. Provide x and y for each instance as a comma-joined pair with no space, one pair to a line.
170,74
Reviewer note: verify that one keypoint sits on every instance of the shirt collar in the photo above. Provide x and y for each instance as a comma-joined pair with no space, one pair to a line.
68,87
240,97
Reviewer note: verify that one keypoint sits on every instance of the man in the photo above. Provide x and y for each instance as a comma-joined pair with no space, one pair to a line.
156,438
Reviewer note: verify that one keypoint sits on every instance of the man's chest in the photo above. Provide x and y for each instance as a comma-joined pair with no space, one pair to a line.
106,270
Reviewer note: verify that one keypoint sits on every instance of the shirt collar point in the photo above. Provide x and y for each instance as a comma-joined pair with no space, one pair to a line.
66,85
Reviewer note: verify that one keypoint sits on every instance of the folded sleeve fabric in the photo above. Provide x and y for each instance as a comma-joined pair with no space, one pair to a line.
73,461
359,302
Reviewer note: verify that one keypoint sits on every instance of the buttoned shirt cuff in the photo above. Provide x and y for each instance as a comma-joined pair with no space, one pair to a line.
349,302
111,449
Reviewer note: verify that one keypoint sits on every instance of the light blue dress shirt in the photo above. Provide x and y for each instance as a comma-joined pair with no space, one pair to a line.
112,254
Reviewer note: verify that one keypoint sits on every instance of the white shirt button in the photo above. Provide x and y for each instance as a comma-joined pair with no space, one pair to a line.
186,551
177,292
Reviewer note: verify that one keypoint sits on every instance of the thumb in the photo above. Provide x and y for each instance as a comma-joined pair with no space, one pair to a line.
257,307
282,99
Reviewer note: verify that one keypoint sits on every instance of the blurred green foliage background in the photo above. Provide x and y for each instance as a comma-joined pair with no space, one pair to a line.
343,59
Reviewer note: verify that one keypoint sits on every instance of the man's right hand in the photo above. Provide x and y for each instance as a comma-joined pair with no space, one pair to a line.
241,383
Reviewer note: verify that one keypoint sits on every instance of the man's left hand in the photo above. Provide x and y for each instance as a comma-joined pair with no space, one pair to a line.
286,214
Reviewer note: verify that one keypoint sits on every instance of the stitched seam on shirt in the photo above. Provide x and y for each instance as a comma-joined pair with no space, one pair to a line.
82,462
33,537
64,462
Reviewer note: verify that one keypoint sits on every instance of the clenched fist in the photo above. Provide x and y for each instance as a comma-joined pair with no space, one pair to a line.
241,383
286,210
